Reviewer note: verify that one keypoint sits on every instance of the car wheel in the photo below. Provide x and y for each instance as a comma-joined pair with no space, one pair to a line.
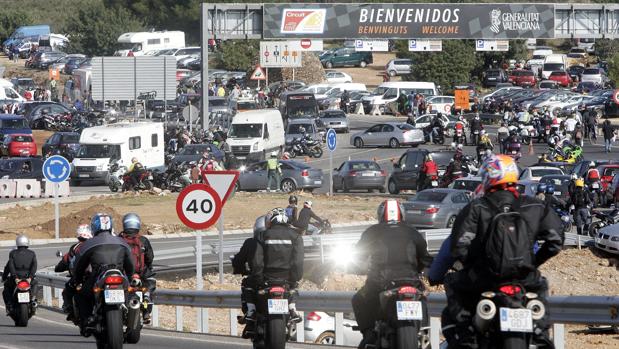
327,338
393,143
329,65
288,186
358,142
451,221
393,188
392,73
363,64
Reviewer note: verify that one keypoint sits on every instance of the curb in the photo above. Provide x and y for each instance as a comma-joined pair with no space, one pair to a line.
43,201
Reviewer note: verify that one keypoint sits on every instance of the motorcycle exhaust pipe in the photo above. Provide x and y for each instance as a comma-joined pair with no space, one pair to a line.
537,308
133,314
484,313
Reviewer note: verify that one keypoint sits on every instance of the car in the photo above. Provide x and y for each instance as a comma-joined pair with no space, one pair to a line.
72,63
14,124
391,134
319,328
535,173
466,183
406,170
66,144
575,72
44,59
335,119
295,176
184,62
607,172
492,77
23,85
193,152
608,239
399,66
522,77
595,75
345,57
577,52
560,182
61,63
246,103
423,121
16,145
293,130
548,85
561,77
440,104
435,208
33,112
334,77
359,174
586,87
21,168
218,105
527,187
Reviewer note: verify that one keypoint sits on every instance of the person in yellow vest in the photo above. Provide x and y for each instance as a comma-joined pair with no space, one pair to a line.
274,171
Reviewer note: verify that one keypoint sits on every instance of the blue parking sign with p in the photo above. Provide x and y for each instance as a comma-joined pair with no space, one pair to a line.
56,169
412,44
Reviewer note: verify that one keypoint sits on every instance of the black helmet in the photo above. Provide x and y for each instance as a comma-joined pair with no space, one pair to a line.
292,200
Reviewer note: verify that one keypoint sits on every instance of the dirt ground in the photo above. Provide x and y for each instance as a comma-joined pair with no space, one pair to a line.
13,70
371,75
572,272
159,213
40,136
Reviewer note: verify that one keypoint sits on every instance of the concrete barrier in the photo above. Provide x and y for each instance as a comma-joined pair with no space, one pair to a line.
28,188
8,188
63,189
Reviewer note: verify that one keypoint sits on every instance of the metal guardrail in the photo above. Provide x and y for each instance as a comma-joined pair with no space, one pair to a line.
591,310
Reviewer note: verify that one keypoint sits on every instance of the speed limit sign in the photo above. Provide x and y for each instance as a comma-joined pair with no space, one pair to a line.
198,206
616,96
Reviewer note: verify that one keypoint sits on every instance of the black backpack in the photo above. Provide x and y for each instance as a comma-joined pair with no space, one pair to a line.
507,246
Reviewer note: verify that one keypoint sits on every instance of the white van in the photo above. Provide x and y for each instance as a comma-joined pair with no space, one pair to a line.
7,91
136,44
552,63
100,145
254,134
390,91
319,90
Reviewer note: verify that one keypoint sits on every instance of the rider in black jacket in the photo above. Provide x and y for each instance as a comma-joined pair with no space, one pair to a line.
103,252
394,251
22,264
83,233
305,216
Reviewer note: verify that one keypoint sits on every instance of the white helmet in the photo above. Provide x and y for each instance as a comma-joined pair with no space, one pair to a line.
273,154
83,232
308,204
22,241
278,216
591,164
482,132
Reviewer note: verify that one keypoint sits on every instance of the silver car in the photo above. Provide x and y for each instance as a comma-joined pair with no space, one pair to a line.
335,119
320,329
293,130
435,208
399,66
390,134
295,176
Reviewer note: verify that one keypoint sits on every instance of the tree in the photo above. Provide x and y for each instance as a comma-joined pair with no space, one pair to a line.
606,48
237,54
96,29
11,20
613,68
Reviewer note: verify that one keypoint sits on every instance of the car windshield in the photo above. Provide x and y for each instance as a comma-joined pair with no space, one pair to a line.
405,127
379,91
193,150
360,166
99,151
71,138
8,165
557,73
246,105
492,73
553,66
322,90
13,123
301,106
22,138
217,102
429,196
245,131
555,181
294,128
544,172
539,56
591,72
333,115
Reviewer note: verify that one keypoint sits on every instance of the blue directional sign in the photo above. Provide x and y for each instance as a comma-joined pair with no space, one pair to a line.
56,169
331,139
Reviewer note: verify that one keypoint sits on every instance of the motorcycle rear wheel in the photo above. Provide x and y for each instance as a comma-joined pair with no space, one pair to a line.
407,337
113,329
22,315
514,341
276,333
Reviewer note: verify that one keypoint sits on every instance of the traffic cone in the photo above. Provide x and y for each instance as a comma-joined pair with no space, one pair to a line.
531,150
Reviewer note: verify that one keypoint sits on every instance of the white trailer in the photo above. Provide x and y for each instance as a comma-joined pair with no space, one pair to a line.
137,43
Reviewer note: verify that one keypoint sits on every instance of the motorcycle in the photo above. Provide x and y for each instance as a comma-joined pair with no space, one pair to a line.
273,323
404,317
174,178
566,219
459,137
23,306
136,296
307,147
116,173
605,219
507,317
597,193
438,136
145,181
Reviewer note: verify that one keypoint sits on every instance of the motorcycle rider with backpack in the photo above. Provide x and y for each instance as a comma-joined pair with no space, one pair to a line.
394,251
66,264
292,210
143,256
482,226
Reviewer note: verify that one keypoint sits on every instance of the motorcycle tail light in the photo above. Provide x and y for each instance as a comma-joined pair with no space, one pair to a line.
407,290
113,280
305,173
23,285
277,290
510,290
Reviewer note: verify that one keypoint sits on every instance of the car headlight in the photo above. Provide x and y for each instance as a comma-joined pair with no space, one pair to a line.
614,238
255,146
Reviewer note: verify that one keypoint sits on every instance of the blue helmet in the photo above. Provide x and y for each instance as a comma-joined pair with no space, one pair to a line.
132,223
541,188
101,222
550,189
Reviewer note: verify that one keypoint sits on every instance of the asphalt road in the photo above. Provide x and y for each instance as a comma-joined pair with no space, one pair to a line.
48,329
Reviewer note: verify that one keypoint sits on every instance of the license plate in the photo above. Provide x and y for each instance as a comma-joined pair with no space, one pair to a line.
367,174
514,152
278,306
435,183
409,310
516,320
414,211
23,297
595,186
318,182
557,193
84,175
114,296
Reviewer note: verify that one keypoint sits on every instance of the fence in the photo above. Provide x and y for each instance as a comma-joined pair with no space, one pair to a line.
592,310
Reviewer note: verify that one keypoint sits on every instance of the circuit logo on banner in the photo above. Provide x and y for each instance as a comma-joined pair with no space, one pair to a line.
304,21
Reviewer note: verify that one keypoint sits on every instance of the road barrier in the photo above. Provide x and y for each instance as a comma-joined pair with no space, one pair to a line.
31,188
589,310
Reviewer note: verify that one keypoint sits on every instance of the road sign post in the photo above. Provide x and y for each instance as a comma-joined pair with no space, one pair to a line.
331,144
56,169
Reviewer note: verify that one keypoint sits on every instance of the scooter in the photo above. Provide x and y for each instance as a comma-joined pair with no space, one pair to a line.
605,219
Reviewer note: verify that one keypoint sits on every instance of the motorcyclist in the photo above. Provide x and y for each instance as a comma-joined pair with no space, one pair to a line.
22,264
135,171
476,126
454,170
292,210
101,253
143,256
502,135
593,175
394,250
242,265
540,191
344,100
306,214
82,233
460,125
436,127
429,170
581,200
499,175
279,256
553,201
484,145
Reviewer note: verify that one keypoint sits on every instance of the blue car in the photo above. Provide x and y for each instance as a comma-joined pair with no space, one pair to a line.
11,123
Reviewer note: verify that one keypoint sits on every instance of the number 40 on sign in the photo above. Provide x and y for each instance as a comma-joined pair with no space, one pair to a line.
198,206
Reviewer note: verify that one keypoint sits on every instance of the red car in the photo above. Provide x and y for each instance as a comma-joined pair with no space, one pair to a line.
607,172
18,145
562,77
522,78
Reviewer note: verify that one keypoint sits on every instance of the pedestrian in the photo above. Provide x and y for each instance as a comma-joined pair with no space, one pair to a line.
274,171
15,54
609,135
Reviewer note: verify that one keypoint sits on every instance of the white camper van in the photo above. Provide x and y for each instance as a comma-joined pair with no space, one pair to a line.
554,62
254,134
136,44
7,91
390,91
122,141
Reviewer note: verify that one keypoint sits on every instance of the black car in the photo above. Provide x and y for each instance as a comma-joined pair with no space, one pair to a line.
494,76
21,168
62,143
407,169
193,152
33,112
